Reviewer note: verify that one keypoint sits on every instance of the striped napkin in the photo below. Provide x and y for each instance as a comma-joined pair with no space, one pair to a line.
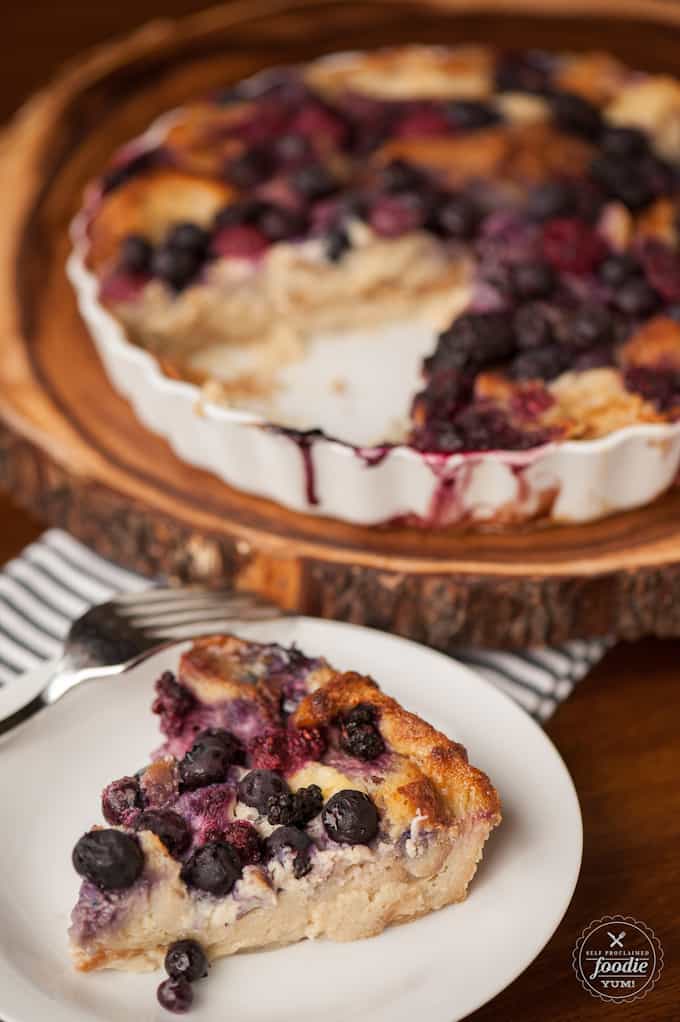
56,579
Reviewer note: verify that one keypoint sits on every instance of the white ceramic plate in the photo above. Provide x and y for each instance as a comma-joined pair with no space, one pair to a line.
439,968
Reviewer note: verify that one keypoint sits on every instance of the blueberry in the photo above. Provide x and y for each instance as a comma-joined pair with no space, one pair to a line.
175,266
455,216
236,214
636,298
279,223
624,142
189,236
185,959
540,363
471,114
551,199
110,859
589,325
169,827
337,244
313,182
532,280
635,182
617,268
291,837
175,995
401,176
258,786
350,817
250,168
135,255
119,798
576,115
291,148
532,326
214,868
473,340
208,760
521,72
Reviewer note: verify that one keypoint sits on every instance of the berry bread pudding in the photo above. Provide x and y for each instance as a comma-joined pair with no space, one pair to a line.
287,801
524,204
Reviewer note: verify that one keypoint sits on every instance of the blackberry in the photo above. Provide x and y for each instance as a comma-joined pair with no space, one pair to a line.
532,326
532,280
281,809
308,804
540,363
473,340
576,115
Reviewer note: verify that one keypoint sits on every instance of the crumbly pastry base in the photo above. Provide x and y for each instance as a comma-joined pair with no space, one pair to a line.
368,898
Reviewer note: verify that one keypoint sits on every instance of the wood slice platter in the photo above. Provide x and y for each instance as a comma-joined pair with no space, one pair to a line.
72,451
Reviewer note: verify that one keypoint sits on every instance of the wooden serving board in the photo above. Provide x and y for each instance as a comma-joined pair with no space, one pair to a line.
72,451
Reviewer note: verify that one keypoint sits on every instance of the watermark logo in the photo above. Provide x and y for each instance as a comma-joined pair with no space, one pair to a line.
618,959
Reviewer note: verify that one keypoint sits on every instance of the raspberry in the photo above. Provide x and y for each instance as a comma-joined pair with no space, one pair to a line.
571,245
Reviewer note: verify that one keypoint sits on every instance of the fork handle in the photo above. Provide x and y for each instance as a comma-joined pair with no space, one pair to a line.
19,716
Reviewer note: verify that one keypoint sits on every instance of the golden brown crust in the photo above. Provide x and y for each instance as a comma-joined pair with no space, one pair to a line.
463,788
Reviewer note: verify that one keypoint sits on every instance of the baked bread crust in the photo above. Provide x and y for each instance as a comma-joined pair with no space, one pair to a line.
435,812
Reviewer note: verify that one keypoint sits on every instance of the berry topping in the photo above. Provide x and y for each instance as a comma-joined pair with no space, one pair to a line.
662,266
540,363
576,115
532,280
169,827
521,72
242,836
278,223
473,340
572,245
175,995
350,817
185,959
135,254
636,298
393,215
175,266
401,176
589,325
660,386
308,804
635,182
551,199
110,859
291,837
250,168
286,750
188,236
337,243
532,326
423,122
239,242
623,142
214,868
281,809
617,268
258,786
456,216
121,800
359,736
173,702
313,182
208,760
471,114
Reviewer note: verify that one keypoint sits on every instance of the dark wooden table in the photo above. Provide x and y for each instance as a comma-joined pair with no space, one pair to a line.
619,733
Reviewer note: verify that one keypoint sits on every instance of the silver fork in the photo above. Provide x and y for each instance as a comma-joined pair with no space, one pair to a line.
111,638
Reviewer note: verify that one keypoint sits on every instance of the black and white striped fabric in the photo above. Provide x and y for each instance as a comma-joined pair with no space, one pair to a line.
56,579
